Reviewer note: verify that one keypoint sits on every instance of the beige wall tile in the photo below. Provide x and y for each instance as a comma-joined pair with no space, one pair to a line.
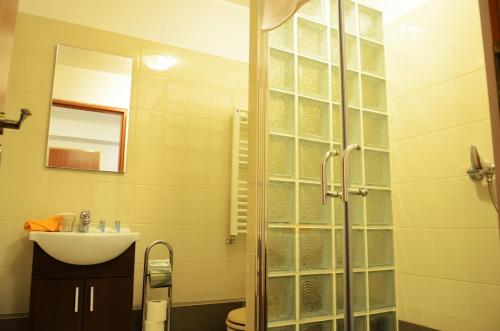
448,305
452,103
15,289
176,185
455,202
440,154
469,255
446,229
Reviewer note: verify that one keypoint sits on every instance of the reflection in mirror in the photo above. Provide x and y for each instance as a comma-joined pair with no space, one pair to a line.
89,110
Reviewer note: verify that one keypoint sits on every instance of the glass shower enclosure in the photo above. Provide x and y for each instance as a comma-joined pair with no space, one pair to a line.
380,105
327,106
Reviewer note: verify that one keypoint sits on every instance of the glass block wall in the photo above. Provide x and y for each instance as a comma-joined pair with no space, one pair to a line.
305,288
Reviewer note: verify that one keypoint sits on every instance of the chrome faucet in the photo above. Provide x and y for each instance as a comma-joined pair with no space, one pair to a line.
84,224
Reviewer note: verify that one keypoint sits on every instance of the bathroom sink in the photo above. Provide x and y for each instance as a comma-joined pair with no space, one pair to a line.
83,248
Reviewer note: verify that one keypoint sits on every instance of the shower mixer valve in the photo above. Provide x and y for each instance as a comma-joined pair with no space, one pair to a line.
480,169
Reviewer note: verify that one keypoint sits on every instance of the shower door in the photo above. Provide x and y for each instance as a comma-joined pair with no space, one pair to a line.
306,276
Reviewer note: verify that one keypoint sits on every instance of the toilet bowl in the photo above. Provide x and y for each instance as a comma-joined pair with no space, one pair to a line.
235,320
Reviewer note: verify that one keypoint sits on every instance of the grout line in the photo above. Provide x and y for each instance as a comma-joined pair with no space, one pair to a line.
441,82
428,133
448,279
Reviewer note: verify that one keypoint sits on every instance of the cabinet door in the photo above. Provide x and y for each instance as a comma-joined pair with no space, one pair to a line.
56,305
108,304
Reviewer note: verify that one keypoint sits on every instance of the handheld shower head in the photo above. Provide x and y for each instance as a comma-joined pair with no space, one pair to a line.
479,167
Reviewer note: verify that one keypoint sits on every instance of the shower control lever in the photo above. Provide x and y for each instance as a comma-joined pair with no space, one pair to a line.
324,177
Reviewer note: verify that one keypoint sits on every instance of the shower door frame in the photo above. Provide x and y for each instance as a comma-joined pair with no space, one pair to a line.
259,185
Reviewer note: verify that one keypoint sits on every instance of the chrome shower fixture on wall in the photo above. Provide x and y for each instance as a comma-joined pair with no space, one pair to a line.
481,169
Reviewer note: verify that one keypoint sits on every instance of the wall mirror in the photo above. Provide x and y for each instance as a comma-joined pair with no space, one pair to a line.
89,110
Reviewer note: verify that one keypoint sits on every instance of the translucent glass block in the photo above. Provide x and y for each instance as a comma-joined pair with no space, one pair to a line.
350,17
337,165
358,248
315,296
378,208
374,93
380,248
313,118
334,13
381,285
372,58
351,50
281,249
310,156
282,37
353,126
281,203
318,326
281,70
356,168
375,130
338,210
335,46
315,249
356,206
359,292
281,298
311,211
359,324
371,23
352,89
312,39
377,168
313,78
315,9
281,112
336,85
383,322
282,328
337,123
281,156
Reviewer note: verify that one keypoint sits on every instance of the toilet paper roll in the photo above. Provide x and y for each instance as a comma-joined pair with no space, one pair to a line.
154,326
156,310
160,273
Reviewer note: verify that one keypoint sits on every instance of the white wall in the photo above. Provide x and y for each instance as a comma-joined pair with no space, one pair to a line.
91,86
215,27
447,237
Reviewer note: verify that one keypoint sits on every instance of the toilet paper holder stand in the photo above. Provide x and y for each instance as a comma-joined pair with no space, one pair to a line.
146,276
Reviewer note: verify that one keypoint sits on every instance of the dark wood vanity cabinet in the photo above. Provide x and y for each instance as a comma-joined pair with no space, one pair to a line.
67,297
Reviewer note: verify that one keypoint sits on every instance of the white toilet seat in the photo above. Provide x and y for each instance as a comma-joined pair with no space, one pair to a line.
236,320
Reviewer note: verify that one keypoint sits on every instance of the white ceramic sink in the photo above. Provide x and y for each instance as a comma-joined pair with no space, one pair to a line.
83,248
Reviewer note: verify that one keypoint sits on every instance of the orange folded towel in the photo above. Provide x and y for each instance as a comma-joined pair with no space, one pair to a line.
50,224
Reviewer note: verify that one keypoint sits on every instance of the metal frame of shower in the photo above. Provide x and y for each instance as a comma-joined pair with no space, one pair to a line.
261,318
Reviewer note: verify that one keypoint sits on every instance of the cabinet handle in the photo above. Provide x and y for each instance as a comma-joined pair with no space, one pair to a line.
92,298
77,294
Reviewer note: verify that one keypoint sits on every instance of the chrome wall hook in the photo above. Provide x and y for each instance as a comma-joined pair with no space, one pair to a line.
15,125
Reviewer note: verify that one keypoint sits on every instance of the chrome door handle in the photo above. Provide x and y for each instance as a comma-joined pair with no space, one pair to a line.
77,294
345,175
324,177
91,308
